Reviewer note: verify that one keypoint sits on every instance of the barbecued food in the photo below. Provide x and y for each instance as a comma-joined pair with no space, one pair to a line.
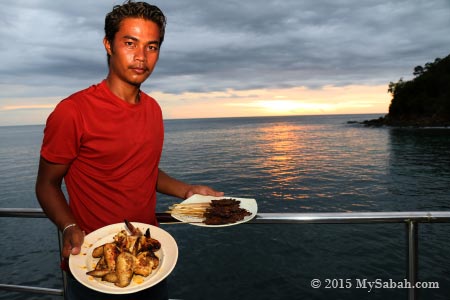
125,256
224,211
216,212
107,263
125,269
225,202
145,263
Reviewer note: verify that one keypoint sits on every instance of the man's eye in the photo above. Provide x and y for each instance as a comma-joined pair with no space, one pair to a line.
152,48
129,44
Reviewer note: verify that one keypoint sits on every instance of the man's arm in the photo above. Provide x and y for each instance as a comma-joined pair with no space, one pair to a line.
173,187
53,202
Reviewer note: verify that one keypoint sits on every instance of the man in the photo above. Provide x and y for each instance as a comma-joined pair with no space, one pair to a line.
106,142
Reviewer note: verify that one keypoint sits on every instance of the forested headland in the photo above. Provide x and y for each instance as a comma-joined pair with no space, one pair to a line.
421,101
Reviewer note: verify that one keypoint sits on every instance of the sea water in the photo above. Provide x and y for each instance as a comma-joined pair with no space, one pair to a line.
288,164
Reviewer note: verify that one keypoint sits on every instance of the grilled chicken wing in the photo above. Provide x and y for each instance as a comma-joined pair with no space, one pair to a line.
98,252
107,262
124,269
144,263
111,277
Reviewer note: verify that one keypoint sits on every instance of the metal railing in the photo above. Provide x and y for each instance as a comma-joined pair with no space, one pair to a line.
411,219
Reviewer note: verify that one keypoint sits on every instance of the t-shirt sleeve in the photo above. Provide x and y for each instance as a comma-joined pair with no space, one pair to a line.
62,134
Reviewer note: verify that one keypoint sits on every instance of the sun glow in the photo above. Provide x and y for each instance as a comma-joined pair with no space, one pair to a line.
280,102
351,99
279,105
290,106
28,106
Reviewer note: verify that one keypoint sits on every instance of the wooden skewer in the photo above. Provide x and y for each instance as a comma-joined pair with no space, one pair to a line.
187,210
190,205
190,216
195,210
193,203
181,210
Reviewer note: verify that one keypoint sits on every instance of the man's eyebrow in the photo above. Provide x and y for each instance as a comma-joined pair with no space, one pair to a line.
130,37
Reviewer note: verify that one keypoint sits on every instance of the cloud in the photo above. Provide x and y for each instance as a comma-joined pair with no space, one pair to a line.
54,48
27,107
291,43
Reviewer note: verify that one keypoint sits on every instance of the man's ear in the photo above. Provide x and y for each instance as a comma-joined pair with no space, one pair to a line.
107,45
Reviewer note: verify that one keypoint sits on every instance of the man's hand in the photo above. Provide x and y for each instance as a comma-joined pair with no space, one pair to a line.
202,190
173,187
72,240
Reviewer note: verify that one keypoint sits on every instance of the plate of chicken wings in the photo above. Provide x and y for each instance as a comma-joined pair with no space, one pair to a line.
116,260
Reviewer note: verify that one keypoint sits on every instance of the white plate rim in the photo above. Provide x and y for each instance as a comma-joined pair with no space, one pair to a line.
246,203
79,264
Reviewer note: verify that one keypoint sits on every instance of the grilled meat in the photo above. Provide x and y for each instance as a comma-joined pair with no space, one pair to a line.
125,269
145,263
125,256
107,262
224,211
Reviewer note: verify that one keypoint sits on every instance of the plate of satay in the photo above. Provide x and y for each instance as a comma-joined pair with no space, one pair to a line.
124,258
210,211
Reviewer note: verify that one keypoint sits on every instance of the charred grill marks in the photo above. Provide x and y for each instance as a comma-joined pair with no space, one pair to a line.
224,211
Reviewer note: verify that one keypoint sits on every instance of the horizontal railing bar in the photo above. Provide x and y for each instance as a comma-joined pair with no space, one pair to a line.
308,218
22,213
354,217
31,289
36,290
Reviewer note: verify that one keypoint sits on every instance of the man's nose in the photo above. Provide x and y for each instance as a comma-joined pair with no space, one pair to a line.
139,54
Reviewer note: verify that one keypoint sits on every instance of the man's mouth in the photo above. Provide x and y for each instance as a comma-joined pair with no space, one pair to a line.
139,70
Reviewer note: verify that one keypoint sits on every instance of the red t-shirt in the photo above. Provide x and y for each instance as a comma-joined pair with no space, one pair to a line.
113,149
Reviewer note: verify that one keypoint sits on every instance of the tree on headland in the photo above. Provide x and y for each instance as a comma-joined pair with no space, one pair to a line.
422,101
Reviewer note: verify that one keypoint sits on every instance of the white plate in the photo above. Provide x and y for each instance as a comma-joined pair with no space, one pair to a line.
84,262
246,203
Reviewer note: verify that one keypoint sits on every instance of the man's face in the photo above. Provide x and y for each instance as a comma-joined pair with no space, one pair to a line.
134,52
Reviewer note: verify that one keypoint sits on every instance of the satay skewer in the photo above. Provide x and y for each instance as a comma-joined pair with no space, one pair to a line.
187,212
190,205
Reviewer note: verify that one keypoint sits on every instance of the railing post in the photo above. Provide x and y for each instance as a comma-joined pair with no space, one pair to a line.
63,272
412,240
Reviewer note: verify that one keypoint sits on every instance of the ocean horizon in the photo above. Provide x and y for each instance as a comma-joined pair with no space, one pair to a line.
376,115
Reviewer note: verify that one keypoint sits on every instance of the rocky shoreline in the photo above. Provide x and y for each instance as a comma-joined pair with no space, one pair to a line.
418,122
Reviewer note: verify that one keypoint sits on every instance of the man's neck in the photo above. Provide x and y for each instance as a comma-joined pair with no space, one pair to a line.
127,92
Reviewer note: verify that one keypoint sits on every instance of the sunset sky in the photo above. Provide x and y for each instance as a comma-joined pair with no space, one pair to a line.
226,58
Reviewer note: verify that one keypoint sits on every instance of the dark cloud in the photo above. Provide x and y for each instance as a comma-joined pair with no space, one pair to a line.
312,43
215,46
